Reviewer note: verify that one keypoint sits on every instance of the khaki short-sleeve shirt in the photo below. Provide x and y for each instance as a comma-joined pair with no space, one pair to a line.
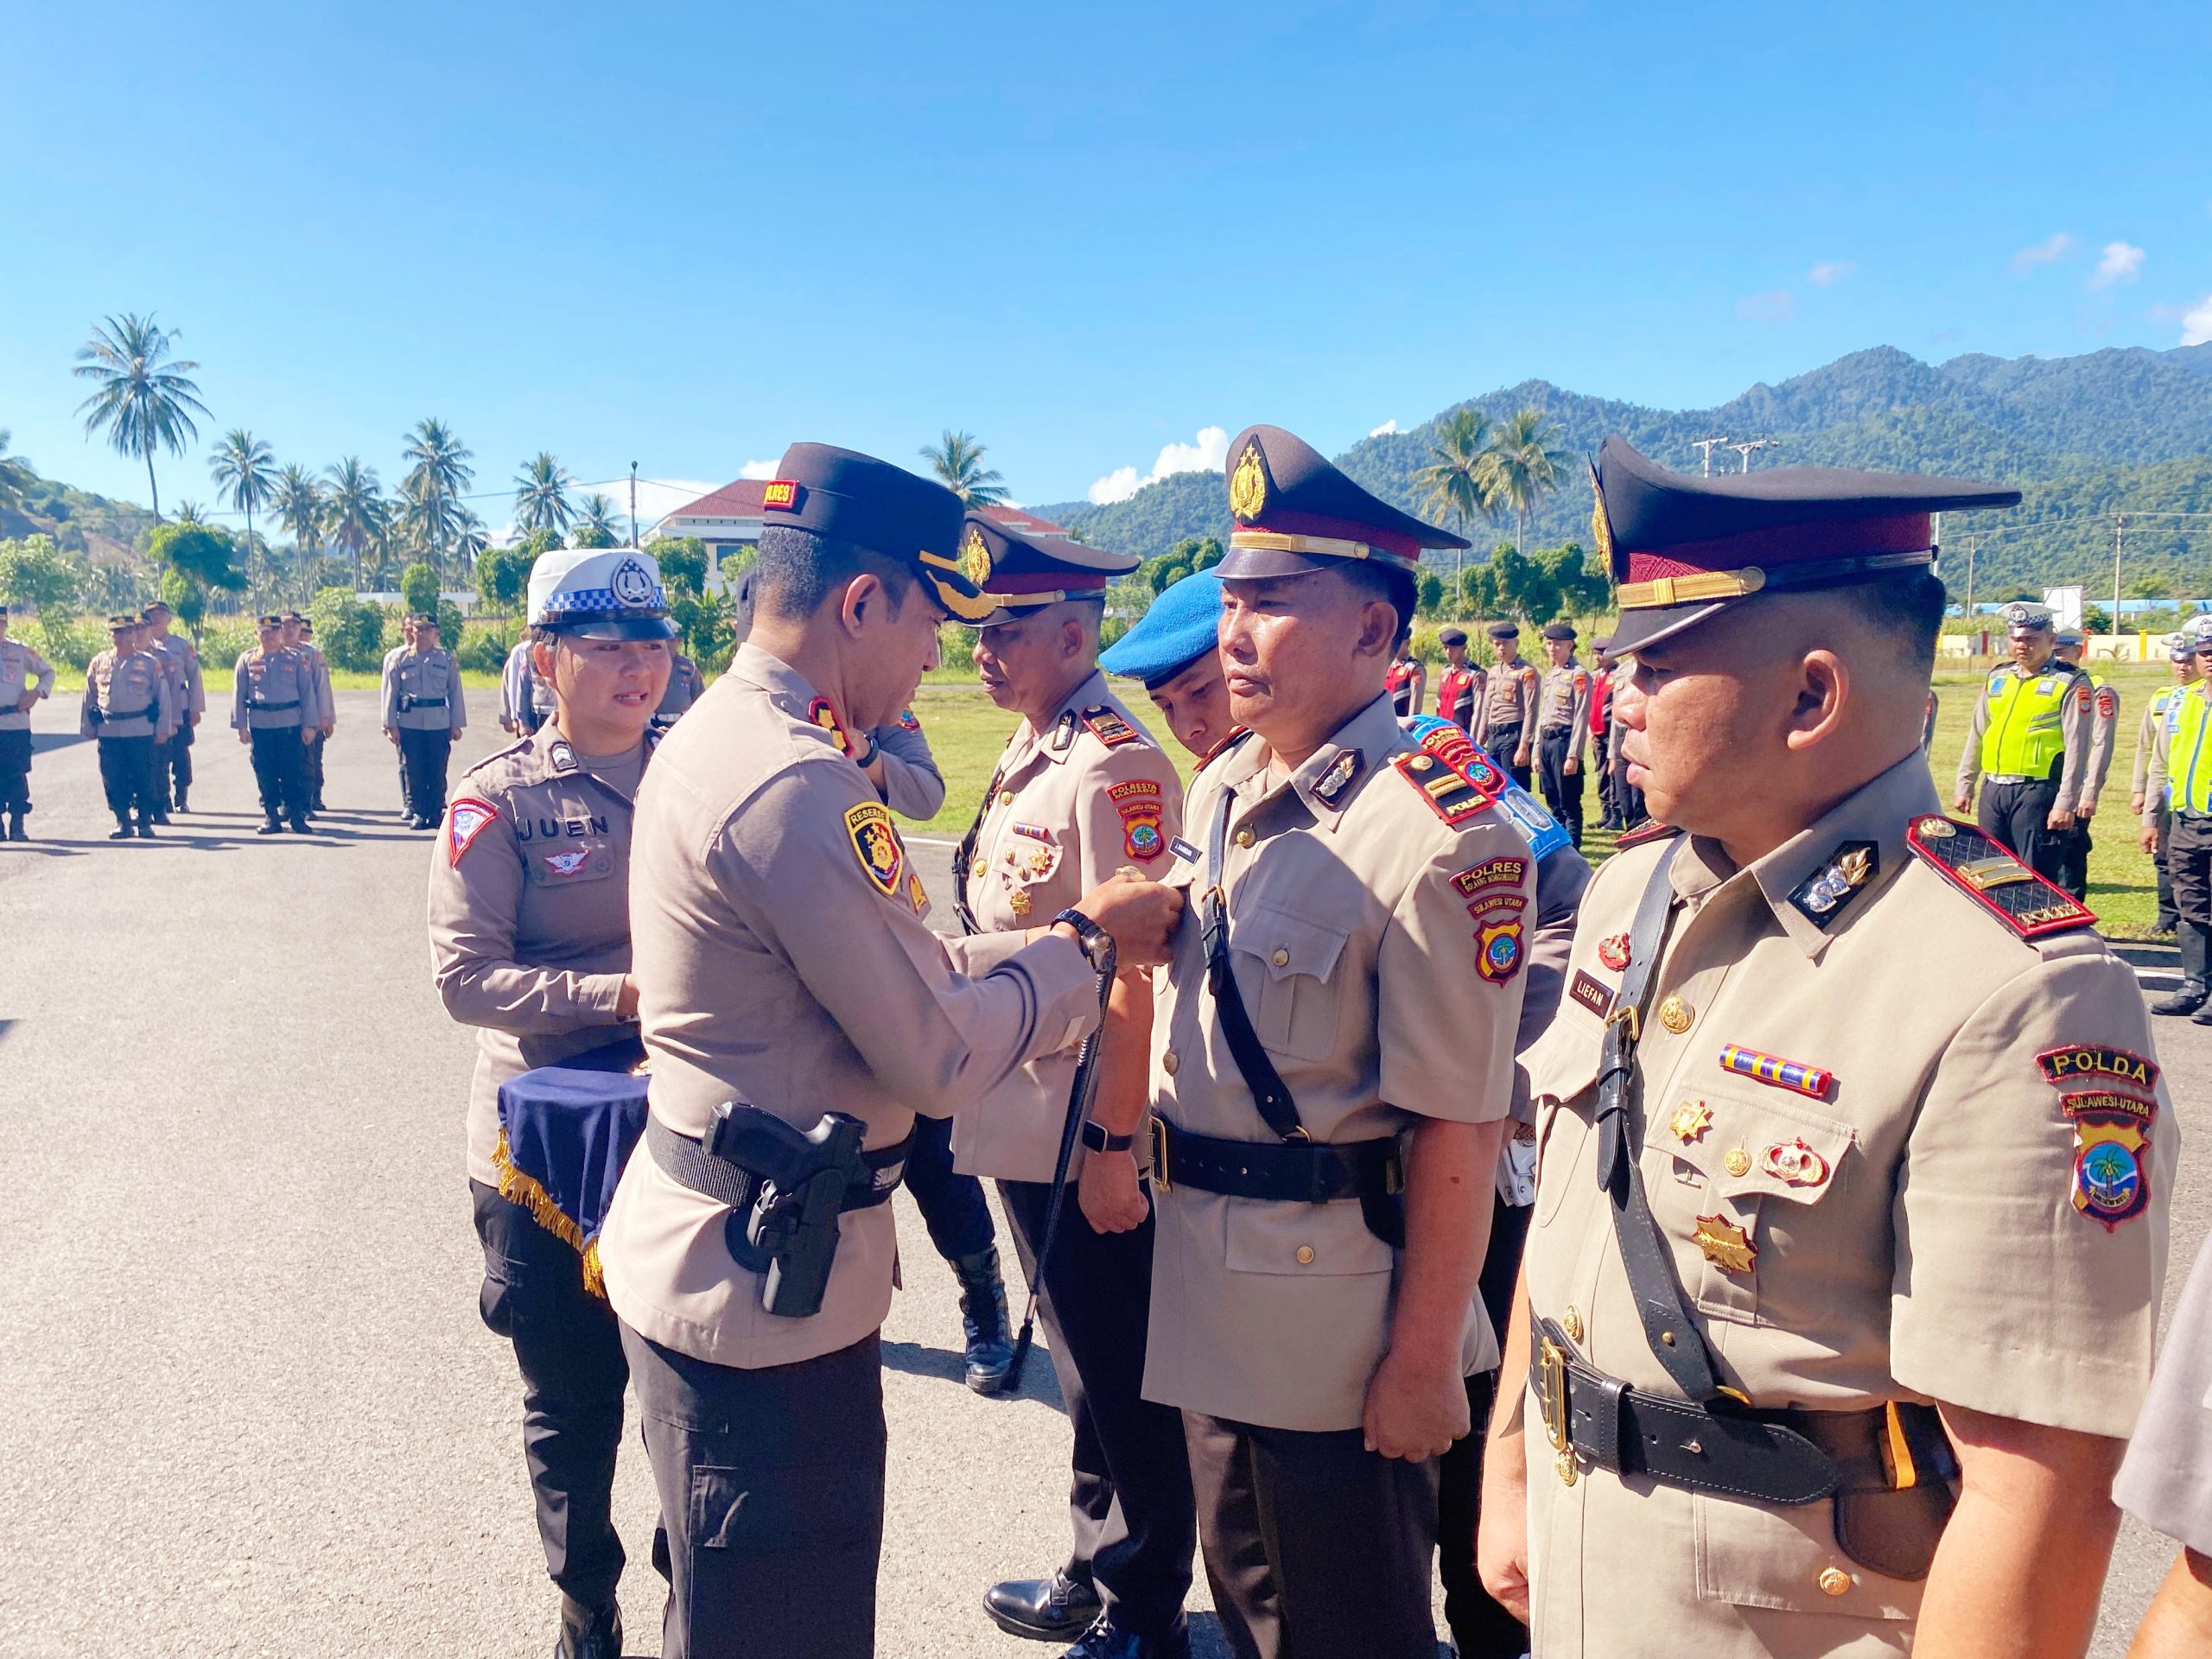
1379,950
1915,1229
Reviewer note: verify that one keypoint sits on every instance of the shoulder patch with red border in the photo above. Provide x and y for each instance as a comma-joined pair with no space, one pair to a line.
1644,834
1497,950
2108,703
466,820
1491,873
876,843
823,713
1138,802
1110,727
2072,1063
1983,870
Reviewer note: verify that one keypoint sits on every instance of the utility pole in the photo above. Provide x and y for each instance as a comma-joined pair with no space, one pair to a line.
1746,450
1706,447
633,504
1973,546
2119,538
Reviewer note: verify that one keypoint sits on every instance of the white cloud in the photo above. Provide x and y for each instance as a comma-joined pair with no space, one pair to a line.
1776,305
757,469
1208,452
2049,252
2197,323
1385,429
1829,272
2121,262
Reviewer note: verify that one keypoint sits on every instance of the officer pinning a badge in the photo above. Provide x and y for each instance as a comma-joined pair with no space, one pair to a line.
1332,1068
1508,726
2068,646
425,712
1790,1389
529,942
1080,792
2029,745
2182,655
2178,785
131,707
25,677
798,1012
273,709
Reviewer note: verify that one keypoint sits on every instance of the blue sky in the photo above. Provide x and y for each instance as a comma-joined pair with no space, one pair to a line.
686,236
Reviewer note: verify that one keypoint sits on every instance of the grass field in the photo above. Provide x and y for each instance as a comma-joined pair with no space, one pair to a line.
966,732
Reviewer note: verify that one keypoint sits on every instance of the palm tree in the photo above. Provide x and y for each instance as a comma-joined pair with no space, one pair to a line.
596,521
144,399
1458,478
438,473
244,468
352,510
191,512
1524,467
15,477
958,460
542,496
468,538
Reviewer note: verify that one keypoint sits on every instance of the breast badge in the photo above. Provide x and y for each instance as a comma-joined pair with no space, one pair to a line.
1613,952
875,841
1795,1165
1727,1246
1690,1122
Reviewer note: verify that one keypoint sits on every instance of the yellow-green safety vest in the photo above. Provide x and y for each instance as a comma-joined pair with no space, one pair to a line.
2026,731
2189,768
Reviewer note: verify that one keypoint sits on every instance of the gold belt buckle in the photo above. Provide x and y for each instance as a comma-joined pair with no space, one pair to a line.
1551,1394
1159,1132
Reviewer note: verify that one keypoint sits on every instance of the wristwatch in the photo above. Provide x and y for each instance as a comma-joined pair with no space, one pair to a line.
1095,1137
1097,944
866,758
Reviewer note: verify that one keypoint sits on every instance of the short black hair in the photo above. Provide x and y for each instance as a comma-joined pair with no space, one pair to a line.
1394,587
1907,609
797,569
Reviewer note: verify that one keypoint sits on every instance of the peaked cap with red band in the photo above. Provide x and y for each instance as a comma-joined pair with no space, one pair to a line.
1020,574
1681,549
856,498
1296,512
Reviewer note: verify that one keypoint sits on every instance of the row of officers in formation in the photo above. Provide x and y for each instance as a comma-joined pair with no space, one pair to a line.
1797,1184
144,699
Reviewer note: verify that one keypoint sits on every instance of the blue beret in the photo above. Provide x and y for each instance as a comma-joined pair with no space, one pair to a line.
1182,626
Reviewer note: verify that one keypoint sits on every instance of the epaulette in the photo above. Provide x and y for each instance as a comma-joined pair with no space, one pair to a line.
1645,833
1223,747
1981,868
515,747
1110,727
1455,780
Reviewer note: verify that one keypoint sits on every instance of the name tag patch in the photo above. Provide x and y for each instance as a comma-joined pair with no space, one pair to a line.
1591,992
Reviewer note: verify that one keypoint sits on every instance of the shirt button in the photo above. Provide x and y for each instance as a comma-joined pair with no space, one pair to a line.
1281,957
1572,1326
1171,1062
1737,1161
1244,837
1833,1581
1005,797
1305,1255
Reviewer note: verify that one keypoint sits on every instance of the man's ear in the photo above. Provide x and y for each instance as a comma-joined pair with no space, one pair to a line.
863,600
1824,688
1378,628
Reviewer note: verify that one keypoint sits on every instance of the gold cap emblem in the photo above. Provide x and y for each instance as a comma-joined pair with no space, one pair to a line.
975,557
1247,484
1601,532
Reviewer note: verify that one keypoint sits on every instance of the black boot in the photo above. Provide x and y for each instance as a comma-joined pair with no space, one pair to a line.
1057,1609
269,826
123,831
299,824
146,822
1107,1640
16,831
588,1632
2188,999
182,805
984,1317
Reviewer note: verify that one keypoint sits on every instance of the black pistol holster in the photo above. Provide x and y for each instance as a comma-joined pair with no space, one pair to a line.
786,1188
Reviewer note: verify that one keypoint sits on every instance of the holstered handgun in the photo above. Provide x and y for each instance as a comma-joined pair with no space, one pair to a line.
789,1233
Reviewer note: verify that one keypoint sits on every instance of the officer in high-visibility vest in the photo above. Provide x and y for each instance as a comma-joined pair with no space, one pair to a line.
2154,716
2068,647
2180,775
2029,745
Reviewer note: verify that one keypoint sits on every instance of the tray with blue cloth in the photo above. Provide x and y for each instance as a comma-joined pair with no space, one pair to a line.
565,1132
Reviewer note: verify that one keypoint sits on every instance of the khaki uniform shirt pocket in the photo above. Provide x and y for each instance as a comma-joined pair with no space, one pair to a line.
1753,1556
1560,1131
569,864
1291,961
1317,1240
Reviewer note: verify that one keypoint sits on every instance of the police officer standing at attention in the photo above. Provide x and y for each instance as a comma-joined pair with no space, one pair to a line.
1406,679
2179,785
530,937
1563,728
1332,1064
2067,646
173,759
1080,791
1460,687
2183,658
524,705
25,677
1507,728
1820,1232
797,1011
425,712
273,709
129,707
299,633
407,813
2029,745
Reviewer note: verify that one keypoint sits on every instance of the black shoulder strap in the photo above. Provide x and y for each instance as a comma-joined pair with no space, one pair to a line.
965,852
1669,1325
1259,1072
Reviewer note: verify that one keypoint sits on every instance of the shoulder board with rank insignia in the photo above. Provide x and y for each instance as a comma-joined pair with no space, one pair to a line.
1107,727
1452,794
1645,833
1982,869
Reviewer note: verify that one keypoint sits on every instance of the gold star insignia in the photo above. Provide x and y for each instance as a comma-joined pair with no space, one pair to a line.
1727,1246
1691,1120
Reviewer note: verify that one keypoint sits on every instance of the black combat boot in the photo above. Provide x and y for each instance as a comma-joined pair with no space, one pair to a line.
146,822
1108,1640
299,824
984,1317
588,1632
182,805
1057,1609
269,826
2188,999
15,831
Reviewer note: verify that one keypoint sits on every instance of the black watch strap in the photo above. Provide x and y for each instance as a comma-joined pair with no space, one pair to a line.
1097,943
1099,1139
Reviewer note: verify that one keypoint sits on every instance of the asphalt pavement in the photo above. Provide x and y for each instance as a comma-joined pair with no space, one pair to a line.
249,1407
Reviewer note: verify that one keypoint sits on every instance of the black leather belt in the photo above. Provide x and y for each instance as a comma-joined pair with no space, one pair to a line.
407,705
1555,731
271,708
684,1160
1313,1173
150,712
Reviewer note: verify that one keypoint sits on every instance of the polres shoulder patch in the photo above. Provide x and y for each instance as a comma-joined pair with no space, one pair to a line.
1982,869
466,820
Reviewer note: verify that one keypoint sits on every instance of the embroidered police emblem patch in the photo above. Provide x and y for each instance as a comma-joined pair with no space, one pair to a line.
633,587
465,820
2112,1153
875,839
1497,952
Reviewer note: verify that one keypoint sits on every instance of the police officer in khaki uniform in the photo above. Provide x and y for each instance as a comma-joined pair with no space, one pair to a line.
173,759
1563,726
788,979
2068,646
1332,1068
529,938
1853,1156
273,709
425,712
2029,745
299,631
2183,656
2165,1481
1080,791
130,707
25,677
1507,727
685,683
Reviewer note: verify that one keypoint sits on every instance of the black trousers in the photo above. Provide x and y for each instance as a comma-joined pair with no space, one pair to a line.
2074,847
1562,788
1314,1546
280,763
424,757
1601,768
1503,743
315,772
127,776
2167,915
771,1487
953,1206
1481,1628
568,1349
2189,861
173,765
1130,1503
14,772
2015,816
